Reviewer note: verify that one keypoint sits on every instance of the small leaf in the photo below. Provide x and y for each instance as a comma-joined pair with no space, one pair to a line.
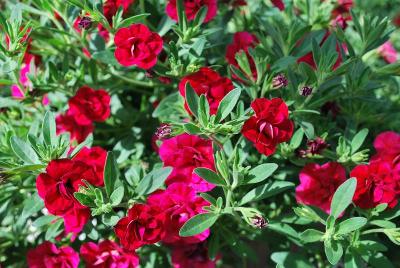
209,198
110,173
84,199
134,19
49,129
343,197
32,205
191,129
260,173
203,110
24,151
198,224
117,195
227,104
192,99
152,181
311,235
43,220
87,142
297,138
210,176
358,140
350,225
264,191
54,230
333,251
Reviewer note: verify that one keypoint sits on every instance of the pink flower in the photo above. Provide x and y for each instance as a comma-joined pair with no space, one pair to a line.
387,146
319,183
95,157
185,153
75,219
192,7
26,69
192,256
107,254
388,52
180,203
47,255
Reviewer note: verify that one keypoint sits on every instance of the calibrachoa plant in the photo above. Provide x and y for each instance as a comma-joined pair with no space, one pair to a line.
199,133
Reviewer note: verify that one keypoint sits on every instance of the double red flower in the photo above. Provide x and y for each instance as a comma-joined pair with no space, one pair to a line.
48,255
192,7
269,126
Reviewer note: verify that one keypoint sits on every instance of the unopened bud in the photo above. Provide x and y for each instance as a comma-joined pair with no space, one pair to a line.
279,81
306,91
85,23
259,221
163,132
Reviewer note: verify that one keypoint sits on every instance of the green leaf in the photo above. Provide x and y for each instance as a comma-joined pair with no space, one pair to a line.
117,195
266,190
24,151
358,140
350,225
44,220
210,176
311,235
343,197
105,56
31,206
84,199
191,128
110,219
49,129
87,142
260,173
192,99
111,173
198,224
333,251
54,230
134,19
209,198
308,129
203,110
152,181
297,138
290,260
227,104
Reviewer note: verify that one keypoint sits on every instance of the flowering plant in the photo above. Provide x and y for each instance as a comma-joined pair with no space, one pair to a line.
199,133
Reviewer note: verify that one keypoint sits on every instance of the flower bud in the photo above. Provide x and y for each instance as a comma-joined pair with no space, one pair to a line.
163,132
259,221
279,81
306,91
85,23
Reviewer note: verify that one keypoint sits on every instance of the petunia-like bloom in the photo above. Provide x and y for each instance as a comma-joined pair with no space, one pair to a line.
137,45
90,105
388,52
341,13
110,7
242,41
192,7
319,183
208,82
95,157
75,219
107,254
68,123
180,203
269,126
47,255
377,183
192,256
184,153
142,226
387,146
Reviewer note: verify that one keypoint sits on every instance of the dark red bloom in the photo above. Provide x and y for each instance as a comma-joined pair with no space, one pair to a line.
192,256
110,7
185,153
67,123
90,105
137,45
242,41
269,126
191,9
314,147
341,14
143,225
180,203
330,107
377,183
279,4
319,183
107,254
396,20
387,146
95,157
75,219
208,82
47,255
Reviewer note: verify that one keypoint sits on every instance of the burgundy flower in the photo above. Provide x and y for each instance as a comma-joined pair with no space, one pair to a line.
242,41
209,82
192,7
110,7
68,123
314,147
137,45
180,203
95,157
319,183
143,225
279,4
107,254
47,255
185,153
269,126
192,256
387,146
341,14
75,219
90,105
279,81
377,183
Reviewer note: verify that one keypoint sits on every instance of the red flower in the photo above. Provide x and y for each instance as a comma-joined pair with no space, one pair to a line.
319,183
269,126
47,255
387,146
110,7
388,52
95,157
61,180
309,58
209,82
279,4
179,202
192,256
377,183
242,41
396,20
75,219
191,9
143,225
185,153
107,254
67,123
90,105
137,45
